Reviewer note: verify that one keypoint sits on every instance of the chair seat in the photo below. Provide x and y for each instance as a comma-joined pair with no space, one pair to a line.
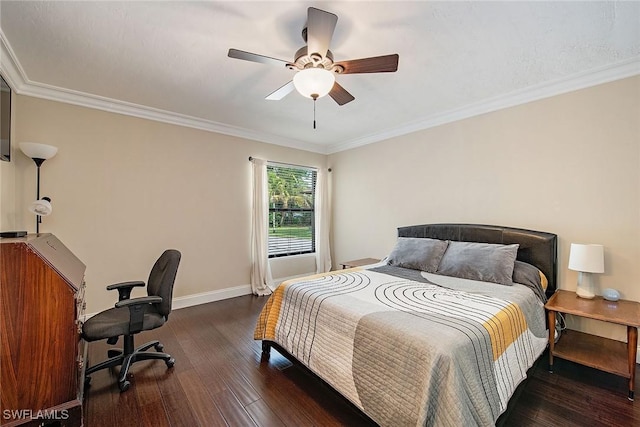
115,322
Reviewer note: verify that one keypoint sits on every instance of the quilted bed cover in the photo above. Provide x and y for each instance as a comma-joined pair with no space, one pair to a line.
410,348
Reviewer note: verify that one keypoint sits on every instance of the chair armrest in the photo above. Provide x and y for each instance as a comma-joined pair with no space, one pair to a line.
124,288
139,301
136,310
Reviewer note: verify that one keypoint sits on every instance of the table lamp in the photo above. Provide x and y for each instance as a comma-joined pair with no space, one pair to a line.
586,260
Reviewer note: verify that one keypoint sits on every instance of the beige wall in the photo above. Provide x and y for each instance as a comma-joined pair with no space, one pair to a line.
123,189
568,165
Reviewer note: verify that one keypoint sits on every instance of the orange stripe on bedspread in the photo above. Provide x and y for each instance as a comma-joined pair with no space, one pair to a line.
504,328
268,320
266,325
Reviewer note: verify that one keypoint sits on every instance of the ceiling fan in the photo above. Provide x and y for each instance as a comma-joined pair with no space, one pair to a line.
314,64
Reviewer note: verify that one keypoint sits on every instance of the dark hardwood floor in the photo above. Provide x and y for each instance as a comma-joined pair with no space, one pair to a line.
219,380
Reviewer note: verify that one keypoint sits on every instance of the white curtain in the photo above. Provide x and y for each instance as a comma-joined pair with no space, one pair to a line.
323,221
261,280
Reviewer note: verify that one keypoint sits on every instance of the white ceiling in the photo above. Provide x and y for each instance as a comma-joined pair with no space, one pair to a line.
168,61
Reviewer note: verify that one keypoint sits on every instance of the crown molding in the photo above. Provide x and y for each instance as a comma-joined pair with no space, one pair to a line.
39,90
20,83
567,84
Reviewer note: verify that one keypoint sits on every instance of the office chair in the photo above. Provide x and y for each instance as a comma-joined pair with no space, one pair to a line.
133,315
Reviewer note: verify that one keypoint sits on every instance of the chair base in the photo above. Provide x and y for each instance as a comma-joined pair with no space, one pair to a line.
127,357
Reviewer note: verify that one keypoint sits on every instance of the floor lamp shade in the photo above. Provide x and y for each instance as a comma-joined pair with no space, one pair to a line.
36,150
586,260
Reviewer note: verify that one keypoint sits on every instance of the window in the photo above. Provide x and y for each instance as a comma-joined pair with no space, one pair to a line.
291,210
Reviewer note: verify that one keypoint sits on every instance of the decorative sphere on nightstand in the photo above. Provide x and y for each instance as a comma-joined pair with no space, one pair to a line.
610,294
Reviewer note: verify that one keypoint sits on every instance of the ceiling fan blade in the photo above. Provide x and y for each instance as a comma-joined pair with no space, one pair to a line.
254,57
320,27
278,94
340,94
377,64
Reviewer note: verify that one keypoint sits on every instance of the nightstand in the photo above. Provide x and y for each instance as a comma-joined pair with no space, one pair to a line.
358,262
600,353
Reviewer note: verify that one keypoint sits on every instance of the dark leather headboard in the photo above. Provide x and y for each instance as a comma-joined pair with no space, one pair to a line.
536,247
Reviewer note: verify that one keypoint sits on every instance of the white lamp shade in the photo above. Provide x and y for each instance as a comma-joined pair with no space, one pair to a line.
314,81
36,150
41,207
586,258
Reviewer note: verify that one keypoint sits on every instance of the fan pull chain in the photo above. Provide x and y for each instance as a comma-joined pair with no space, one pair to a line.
315,98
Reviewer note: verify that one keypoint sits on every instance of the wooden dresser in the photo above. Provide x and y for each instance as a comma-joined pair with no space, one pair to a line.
42,355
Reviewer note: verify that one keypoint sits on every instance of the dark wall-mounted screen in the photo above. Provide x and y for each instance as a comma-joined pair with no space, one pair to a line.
5,121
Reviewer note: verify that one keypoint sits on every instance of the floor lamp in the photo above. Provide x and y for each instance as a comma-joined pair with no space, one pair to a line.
39,153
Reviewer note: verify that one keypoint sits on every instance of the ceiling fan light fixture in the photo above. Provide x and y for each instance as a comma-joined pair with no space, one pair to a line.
314,82
316,77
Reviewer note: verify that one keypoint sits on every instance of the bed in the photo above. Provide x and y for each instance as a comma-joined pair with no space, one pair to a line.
440,333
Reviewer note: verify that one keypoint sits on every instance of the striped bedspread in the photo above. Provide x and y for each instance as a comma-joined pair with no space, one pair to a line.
421,351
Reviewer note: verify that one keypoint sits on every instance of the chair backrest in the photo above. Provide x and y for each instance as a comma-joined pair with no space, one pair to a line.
162,277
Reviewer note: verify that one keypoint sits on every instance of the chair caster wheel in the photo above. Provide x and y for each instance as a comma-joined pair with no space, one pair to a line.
87,381
124,385
170,362
159,347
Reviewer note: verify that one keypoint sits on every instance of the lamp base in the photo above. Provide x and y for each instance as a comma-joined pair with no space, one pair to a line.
585,286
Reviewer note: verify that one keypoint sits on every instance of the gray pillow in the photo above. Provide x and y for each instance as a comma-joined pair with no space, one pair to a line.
417,254
532,277
479,261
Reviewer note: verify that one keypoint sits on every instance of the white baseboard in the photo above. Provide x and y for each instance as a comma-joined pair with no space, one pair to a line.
201,298
205,297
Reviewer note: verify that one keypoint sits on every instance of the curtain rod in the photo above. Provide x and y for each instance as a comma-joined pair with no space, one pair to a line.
288,164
